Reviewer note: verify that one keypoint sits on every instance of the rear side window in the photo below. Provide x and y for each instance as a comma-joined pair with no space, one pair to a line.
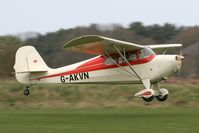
110,60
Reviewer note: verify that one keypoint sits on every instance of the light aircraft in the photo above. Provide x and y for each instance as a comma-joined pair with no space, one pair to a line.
116,62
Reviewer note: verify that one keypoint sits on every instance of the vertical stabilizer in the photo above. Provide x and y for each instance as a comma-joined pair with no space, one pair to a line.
27,61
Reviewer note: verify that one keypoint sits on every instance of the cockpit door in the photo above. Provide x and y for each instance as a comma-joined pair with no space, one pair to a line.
148,67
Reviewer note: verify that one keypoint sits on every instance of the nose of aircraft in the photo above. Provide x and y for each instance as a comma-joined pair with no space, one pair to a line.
169,64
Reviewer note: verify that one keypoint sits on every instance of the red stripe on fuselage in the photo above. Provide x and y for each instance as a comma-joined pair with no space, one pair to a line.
97,64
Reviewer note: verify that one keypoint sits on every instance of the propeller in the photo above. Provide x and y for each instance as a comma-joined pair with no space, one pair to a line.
181,54
180,59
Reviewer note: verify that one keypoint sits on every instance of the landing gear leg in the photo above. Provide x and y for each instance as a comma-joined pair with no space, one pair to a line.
146,94
27,91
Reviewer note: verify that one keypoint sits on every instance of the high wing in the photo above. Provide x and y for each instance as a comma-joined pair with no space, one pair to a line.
163,46
99,45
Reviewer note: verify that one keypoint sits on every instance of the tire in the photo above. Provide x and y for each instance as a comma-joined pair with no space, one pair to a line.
148,99
162,98
164,95
26,92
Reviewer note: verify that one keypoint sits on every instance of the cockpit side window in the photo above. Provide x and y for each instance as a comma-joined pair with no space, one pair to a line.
131,56
111,60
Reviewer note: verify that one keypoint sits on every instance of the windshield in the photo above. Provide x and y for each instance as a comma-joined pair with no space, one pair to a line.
145,52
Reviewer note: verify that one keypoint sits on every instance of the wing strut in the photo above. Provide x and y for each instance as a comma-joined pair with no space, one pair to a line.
127,62
107,56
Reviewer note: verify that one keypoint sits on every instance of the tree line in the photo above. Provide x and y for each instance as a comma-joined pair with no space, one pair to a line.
50,44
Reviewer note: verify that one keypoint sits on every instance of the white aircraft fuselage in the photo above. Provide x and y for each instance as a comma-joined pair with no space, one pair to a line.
101,70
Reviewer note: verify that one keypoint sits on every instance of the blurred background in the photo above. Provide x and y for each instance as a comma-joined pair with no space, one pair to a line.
49,24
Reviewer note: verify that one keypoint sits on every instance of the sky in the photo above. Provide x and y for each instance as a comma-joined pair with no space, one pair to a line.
18,16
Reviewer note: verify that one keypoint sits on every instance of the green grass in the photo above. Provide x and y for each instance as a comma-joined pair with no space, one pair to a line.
97,109
126,120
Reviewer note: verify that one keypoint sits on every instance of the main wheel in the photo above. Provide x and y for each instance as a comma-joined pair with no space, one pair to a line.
163,96
26,92
149,99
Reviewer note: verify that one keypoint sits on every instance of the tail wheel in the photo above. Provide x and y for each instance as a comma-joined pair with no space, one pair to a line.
149,99
26,92
164,93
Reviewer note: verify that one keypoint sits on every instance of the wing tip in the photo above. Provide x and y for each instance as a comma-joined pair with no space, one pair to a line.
81,37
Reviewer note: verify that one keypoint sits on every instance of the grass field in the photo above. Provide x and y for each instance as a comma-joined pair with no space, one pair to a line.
183,93
97,109
129,120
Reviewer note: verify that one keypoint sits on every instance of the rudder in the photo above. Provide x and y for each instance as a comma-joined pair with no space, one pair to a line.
27,61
